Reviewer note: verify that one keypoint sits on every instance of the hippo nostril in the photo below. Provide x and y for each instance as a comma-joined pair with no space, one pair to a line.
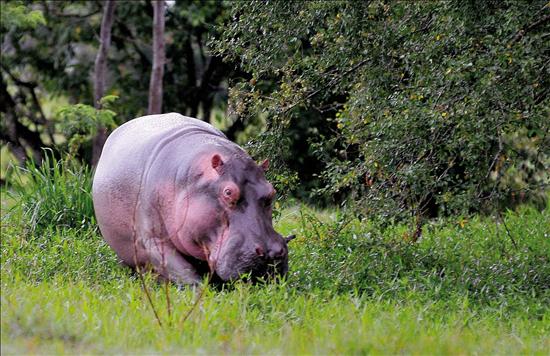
277,253
260,251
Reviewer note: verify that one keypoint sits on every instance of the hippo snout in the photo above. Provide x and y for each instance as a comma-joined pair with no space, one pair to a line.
263,258
270,261
275,252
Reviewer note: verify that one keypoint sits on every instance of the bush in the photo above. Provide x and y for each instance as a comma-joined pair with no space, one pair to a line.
413,108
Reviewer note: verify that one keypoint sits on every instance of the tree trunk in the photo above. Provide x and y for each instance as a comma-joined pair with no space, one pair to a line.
155,85
100,71
17,136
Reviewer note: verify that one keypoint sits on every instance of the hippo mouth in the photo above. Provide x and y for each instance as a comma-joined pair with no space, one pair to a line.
266,270
258,271
245,266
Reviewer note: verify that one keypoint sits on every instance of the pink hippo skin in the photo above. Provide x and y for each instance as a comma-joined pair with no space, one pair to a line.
174,193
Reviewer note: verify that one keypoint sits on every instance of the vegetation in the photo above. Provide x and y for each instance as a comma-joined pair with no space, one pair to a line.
478,285
48,54
378,114
415,108
412,110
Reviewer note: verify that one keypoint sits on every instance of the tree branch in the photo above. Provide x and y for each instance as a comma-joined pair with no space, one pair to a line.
330,84
523,31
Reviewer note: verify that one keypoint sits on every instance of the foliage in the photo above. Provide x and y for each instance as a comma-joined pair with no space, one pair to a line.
529,173
52,61
411,107
80,123
15,16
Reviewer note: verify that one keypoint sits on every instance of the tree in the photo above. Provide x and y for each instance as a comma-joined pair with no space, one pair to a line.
411,108
21,103
51,64
157,72
100,69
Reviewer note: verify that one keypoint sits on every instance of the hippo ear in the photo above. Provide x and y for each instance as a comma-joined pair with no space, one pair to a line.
289,238
265,165
217,162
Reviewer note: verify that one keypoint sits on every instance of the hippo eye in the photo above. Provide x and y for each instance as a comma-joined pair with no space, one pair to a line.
227,192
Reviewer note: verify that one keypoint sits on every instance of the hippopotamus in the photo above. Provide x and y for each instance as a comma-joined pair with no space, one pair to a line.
173,193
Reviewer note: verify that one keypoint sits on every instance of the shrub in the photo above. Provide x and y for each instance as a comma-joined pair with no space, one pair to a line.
413,108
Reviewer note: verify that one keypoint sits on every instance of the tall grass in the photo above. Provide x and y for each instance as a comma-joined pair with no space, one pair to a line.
55,193
475,258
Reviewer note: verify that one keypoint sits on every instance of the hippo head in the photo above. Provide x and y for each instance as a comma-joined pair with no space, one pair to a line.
244,241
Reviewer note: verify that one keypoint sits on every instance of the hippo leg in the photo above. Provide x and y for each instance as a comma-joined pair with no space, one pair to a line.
168,262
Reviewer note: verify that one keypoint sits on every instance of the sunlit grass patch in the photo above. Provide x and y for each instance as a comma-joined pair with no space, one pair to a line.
76,317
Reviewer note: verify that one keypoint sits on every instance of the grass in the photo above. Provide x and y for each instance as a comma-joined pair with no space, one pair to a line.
354,288
72,317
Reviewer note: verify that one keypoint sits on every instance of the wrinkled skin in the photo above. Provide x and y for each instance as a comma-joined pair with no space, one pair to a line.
171,191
